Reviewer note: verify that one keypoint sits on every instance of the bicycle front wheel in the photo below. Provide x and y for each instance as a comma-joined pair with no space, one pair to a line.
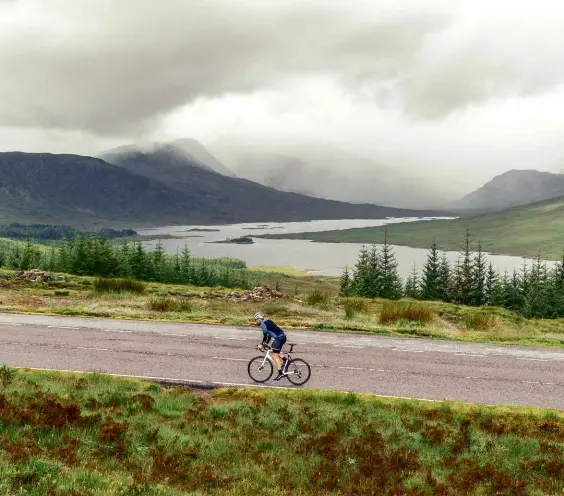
259,371
298,371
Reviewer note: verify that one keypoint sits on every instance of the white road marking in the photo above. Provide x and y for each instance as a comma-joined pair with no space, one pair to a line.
197,381
62,327
231,359
10,324
89,348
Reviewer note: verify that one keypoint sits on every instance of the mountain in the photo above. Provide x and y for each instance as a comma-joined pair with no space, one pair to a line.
200,154
187,150
513,188
152,188
51,188
526,230
326,171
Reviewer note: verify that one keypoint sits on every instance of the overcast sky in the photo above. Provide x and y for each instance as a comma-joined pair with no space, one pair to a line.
461,90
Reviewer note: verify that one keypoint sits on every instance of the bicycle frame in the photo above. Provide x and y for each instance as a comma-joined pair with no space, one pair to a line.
268,356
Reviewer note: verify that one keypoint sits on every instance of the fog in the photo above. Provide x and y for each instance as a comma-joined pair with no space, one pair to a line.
439,96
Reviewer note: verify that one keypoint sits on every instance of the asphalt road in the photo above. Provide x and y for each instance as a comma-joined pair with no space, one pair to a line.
199,354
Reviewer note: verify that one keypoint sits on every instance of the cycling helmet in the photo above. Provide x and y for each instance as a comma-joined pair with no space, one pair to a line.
259,316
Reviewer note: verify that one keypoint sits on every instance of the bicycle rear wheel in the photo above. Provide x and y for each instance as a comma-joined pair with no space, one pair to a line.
259,372
298,371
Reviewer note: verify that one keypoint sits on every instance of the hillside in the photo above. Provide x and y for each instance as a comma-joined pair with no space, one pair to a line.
72,188
326,171
518,231
513,188
163,187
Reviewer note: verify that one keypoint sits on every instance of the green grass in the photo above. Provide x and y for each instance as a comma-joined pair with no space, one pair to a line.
279,269
521,231
91,434
308,303
128,285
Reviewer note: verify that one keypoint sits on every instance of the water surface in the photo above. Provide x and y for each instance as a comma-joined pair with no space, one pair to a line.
318,258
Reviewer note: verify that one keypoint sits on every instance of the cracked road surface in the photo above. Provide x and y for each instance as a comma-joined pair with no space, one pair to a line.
216,355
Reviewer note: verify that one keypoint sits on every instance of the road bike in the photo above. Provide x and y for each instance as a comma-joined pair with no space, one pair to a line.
296,370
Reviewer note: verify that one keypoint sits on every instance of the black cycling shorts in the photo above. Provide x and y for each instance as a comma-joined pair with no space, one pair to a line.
278,343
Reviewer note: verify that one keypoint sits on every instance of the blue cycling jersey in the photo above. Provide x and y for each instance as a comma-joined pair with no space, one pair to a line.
270,330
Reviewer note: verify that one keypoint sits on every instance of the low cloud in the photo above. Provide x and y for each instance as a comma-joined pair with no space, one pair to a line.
110,66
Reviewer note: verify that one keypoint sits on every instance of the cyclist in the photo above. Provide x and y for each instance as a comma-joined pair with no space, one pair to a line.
271,330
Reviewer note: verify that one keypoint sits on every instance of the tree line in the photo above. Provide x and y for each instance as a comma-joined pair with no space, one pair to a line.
46,232
95,256
532,291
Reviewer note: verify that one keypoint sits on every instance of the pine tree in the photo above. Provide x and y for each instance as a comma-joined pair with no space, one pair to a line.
30,255
463,274
431,280
139,262
64,256
374,275
362,273
392,286
513,296
80,256
478,280
3,254
535,298
14,256
159,262
444,286
412,285
345,286
186,266
124,257
491,285
556,289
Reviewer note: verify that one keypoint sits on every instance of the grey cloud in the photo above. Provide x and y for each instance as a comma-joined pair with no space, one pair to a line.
113,66
110,66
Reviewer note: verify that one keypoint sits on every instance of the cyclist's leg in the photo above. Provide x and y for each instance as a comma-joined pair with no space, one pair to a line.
276,349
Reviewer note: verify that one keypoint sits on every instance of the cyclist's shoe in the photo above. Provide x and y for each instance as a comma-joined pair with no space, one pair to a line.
280,375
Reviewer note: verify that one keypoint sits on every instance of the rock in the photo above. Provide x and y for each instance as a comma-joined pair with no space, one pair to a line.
35,275
259,293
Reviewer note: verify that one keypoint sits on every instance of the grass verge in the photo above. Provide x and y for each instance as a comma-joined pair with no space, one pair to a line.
308,303
92,434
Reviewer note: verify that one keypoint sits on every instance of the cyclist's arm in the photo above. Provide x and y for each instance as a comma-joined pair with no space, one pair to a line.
266,334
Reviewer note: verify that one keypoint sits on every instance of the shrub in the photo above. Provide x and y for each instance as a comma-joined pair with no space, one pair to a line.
183,306
103,285
273,307
354,306
395,310
166,304
317,298
7,375
62,292
479,321
322,326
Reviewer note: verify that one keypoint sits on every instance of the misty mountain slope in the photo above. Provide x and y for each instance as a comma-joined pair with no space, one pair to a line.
524,231
513,188
325,171
242,199
181,152
200,153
